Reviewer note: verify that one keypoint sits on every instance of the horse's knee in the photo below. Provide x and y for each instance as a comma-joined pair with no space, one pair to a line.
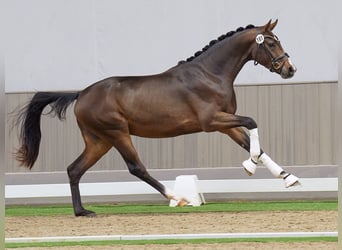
250,123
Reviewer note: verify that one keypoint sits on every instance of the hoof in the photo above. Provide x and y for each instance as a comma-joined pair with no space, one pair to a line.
86,213
249,166
182,202
291,181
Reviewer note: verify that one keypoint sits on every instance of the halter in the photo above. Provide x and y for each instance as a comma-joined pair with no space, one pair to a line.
260,38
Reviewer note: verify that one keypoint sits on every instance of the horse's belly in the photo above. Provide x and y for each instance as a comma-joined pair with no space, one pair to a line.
166,128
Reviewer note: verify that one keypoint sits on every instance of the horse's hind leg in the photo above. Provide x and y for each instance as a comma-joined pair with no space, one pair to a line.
122,142
241,137
94,150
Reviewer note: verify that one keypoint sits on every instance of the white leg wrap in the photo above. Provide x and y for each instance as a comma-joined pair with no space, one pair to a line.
249,166
274,168
291,180
254,148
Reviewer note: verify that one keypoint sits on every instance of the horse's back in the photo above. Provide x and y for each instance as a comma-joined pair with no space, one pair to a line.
149,106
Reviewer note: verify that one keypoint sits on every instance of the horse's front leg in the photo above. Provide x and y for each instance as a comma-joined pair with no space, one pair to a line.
240,136
243,139
223,122
277,171
231,125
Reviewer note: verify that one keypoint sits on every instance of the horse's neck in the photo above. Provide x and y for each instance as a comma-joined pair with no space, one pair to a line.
227,59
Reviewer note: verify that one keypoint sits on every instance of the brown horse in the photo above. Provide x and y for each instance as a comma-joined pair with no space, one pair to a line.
195,95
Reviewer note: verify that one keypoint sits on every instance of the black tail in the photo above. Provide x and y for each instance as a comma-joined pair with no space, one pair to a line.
28,119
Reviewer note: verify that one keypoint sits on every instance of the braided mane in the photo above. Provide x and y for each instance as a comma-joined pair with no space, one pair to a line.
213,42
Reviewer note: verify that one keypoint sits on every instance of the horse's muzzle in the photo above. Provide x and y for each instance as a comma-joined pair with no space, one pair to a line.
288,69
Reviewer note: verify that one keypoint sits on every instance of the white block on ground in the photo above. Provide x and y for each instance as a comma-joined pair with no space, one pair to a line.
186,186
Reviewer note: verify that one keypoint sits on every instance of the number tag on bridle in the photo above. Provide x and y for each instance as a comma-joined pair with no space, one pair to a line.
259,39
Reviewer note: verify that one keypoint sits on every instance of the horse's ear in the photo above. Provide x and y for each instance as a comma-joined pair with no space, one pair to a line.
273,24
270,26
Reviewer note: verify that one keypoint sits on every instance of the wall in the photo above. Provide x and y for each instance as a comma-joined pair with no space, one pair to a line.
63,45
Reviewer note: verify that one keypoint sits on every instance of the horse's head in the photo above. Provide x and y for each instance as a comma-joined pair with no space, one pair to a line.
268,52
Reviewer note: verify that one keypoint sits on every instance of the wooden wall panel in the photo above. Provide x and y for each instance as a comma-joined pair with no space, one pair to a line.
296,124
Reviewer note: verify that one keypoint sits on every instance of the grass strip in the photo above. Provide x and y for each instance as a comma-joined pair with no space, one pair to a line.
172,241
164,208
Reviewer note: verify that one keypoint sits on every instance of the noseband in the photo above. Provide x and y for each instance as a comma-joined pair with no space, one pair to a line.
260,38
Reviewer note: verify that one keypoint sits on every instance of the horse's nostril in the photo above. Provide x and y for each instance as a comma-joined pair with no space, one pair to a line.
292,70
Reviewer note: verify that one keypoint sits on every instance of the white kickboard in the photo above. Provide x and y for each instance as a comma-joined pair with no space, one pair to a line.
186,186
